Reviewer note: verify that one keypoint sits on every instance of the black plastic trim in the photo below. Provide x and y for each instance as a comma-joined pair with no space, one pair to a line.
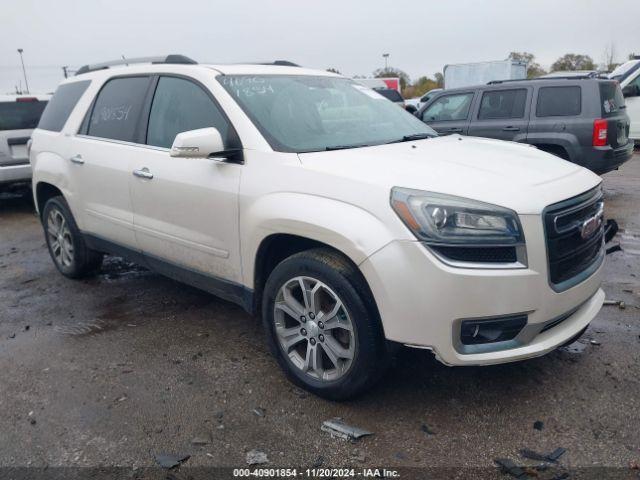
225,289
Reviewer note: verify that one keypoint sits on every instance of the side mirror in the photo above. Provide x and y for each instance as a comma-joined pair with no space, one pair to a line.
631,91
201,143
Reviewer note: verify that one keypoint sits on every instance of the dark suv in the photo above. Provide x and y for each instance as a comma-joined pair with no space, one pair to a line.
581,119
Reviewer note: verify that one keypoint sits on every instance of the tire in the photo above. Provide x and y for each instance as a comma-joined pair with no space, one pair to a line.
66,244
340,359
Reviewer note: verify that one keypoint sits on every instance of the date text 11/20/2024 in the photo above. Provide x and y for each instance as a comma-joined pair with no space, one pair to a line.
316,473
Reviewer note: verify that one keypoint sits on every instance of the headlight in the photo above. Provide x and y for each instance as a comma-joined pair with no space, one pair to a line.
460,229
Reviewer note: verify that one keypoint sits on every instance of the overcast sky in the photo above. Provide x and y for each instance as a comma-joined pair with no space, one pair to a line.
350,35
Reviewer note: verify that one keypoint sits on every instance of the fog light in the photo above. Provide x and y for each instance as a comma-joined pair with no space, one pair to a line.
475,332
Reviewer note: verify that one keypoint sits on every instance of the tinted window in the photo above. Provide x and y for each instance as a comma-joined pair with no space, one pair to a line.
503,104
179,106
61,105
20,115
117,109
390,94
611,98
448,107
558,101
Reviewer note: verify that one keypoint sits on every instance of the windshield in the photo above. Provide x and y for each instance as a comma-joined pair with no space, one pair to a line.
623,71
302,113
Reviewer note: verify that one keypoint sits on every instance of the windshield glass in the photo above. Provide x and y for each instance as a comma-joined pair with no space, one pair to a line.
301,113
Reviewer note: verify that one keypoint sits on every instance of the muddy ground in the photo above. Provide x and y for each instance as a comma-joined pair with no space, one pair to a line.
112,370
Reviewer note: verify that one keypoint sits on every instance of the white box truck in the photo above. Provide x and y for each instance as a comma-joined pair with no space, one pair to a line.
467,74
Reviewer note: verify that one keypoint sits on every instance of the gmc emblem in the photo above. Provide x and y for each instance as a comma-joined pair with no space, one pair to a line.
591,225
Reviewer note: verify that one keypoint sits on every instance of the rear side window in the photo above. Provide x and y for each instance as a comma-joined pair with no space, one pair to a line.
390,94
117,109
611,98
448,107
62,104
503,104
180,105
559,101
18,115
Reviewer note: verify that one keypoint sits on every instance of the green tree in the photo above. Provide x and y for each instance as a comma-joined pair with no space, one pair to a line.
390,72
439,79
534,69
421,86
572,61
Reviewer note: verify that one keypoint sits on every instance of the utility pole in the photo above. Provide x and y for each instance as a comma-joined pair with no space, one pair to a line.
24,72
64,70
386,60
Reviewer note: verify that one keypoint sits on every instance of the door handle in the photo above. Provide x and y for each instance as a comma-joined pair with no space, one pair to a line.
77,159
143,173
454,130
511,129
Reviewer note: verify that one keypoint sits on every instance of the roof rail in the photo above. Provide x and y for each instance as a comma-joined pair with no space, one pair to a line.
167,59
568,77
281,63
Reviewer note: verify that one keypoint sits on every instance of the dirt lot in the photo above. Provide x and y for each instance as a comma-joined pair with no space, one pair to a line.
112,370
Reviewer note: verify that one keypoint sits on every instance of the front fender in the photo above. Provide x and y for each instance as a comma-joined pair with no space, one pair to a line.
350,229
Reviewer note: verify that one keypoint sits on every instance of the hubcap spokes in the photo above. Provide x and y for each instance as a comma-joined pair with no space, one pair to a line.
60,238
314,328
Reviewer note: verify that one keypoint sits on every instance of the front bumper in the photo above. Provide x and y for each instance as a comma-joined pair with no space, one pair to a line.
422,301
15,173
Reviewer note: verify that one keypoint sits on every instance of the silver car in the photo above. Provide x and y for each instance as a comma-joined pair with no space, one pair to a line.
19,115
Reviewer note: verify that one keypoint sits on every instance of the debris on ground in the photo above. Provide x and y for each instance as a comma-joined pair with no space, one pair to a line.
543,457
13,335
170,460
256,457
318,462
575,347
260,412
426,429
337,428
594,342
509,467
201,439
538,425
619,303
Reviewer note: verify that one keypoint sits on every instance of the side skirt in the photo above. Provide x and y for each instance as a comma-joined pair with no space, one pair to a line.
230,291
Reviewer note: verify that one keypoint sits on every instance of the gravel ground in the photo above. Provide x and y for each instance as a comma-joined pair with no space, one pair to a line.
113,370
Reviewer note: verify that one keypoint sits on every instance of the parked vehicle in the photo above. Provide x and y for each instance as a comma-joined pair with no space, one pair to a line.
391,95
470,74
580,119
418,102
622,72
630,83
349,226
19,115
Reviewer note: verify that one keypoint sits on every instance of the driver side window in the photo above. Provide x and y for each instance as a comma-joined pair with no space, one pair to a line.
180,105
449,107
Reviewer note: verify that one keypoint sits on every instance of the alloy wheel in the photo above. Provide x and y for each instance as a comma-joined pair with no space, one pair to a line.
60,239
314,328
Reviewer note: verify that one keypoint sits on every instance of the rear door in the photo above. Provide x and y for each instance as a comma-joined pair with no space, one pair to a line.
17,120
103,155
186,209
502,114
449,113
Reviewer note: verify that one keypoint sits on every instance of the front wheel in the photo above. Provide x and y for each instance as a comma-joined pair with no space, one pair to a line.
321,325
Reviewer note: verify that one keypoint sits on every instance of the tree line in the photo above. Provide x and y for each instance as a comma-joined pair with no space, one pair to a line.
568,62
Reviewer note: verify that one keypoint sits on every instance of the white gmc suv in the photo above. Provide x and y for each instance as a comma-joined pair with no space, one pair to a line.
347,223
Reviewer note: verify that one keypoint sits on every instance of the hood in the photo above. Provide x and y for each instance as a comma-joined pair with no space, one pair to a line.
508,174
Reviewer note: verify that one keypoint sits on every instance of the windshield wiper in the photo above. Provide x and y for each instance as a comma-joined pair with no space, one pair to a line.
415,136
345,147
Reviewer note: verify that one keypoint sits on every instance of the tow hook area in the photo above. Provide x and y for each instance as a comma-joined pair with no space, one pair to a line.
610,230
